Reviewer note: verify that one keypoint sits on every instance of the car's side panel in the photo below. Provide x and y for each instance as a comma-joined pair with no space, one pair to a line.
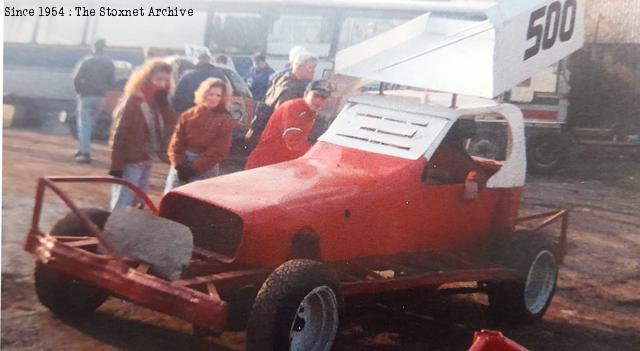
370,216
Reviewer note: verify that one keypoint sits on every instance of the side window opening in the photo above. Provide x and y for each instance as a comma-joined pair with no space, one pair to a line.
490,140
451,163
453,160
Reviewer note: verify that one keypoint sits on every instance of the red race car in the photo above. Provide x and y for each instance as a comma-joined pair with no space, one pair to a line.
387,200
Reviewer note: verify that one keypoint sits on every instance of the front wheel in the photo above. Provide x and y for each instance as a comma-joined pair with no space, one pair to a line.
66,297
525,299
296,309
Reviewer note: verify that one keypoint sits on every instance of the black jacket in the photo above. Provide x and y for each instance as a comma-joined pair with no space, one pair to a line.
284,88
94,75
189,83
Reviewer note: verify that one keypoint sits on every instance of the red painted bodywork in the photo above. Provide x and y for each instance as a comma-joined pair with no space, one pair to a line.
370,211
489,340
361,204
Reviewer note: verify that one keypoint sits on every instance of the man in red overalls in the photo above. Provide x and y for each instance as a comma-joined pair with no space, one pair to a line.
286,136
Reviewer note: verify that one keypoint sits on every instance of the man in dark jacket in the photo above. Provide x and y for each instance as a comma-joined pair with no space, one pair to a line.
187,85
288,67
284,88
259,74
93,77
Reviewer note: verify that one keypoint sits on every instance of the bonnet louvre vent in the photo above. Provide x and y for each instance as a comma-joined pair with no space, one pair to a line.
389,132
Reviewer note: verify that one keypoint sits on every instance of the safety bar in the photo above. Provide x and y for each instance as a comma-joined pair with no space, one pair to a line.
551,217
49,182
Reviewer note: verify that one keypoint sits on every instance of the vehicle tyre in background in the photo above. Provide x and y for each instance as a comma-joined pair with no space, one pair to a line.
525,299
13,115
24,114
297,308
66,297
546,152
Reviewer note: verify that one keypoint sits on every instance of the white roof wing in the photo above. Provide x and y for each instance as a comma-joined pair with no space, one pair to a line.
482,53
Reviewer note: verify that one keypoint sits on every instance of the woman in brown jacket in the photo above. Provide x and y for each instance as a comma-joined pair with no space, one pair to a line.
202,138
142,125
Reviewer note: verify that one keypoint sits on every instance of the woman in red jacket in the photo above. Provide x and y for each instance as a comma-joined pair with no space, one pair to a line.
202,138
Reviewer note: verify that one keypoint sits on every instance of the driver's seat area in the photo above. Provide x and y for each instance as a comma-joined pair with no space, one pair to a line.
450,163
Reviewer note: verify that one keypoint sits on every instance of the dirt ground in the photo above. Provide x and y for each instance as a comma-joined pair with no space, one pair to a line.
596,306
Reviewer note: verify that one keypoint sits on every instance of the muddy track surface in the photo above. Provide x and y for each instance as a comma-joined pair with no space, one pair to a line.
596,307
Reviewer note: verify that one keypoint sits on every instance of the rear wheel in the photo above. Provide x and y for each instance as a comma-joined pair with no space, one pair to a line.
527,298
66,297
296,309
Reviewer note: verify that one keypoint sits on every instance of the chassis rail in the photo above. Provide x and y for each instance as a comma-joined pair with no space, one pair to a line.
420,269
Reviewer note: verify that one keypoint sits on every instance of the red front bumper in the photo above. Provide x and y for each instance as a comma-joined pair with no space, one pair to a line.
121,280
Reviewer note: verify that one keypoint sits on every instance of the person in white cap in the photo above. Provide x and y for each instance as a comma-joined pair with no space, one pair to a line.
286,87
288,67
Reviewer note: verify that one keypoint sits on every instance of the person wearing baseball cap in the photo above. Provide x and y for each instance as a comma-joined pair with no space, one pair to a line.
286,136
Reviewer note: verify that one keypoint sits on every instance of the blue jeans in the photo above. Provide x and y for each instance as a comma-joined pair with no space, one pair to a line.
87,114
137,174
172,177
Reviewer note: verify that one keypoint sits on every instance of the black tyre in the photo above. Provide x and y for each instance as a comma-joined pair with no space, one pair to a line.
296,309
545,153
240,304
527,298
66,297
70,224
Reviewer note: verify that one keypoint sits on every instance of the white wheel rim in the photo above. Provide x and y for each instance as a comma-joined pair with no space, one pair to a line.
316,321
540,281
